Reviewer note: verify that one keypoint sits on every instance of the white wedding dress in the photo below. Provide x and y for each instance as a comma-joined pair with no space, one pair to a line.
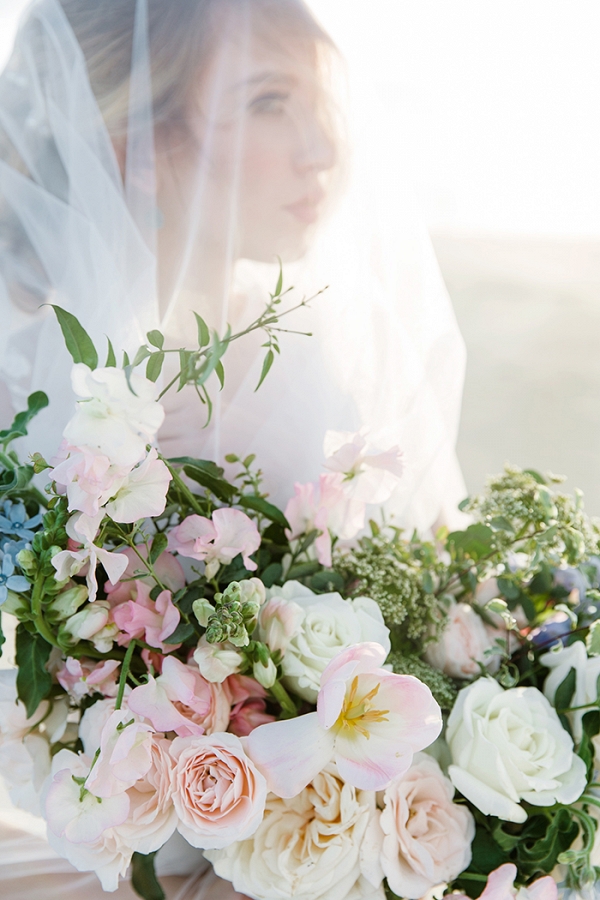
78,229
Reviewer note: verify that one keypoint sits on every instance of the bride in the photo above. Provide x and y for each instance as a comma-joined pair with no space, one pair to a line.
155,160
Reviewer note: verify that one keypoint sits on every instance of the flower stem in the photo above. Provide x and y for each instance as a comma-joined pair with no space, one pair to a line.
280,694
183,488
36,608
125,673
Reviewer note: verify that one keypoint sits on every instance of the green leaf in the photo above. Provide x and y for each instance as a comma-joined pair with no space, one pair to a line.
203,332
154,366
142,354
536,475
303,570
143,877
184,599
15,479
428,585
266,509
542,841
111,359
126,363
79,343
279,285
265,369
592,641
508,588
475,542
217,486
565,691
34,682
156,339
159,545
501,523
220,373
327,581
183,631
2,638
35,403
272,574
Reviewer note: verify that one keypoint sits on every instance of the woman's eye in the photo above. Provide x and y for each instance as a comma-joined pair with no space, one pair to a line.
272,103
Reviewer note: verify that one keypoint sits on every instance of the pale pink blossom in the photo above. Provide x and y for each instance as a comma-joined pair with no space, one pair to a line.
181,700
72,811
167,567
427,837
217,661
84,677
218,540
370,474
465,643
142,493
93,721
150,620
108,856
88,478
368,720
218,793
152,818
125,755
500,887
248,705
83,529
110,417
279,621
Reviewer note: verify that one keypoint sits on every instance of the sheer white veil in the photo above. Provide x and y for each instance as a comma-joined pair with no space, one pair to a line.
91,206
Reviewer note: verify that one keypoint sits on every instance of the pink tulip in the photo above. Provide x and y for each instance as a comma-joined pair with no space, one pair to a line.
150,620
368,720
218,540
181,700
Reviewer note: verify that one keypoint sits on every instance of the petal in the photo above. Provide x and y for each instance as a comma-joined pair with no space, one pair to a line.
485,798
371,763
290,753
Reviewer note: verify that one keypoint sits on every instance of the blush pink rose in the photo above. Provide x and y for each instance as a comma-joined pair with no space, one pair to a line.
151,620
249,708
218,793
152,818
181,700
217,541
463,644
84,677
427,837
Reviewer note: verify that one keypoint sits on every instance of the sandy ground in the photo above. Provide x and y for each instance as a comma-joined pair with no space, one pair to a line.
529,311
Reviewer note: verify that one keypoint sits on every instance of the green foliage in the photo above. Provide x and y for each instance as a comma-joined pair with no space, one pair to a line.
35,403
442,687
34,682
78,342
143,877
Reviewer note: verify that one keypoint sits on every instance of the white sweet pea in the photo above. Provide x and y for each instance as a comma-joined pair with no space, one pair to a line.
217,661
508,746
143,492
83,529
114,417
370,474
587,670
325,625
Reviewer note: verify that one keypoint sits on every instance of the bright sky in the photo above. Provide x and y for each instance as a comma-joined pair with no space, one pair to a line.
499,98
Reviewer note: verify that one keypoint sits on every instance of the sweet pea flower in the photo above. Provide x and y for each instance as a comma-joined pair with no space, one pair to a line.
217,661
92,624
142,493
149,620
88,478
82,530
125,755
370,474
248,709
500,886
84,677
279,621
167,567
368,720
110,417
181,700
218,540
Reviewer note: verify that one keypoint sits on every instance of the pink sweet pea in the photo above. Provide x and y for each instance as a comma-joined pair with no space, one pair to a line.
368,720
181,700
83,677
167,567
150,620
217,540
370,475
86,476
125,755
249,709
142,493
500,886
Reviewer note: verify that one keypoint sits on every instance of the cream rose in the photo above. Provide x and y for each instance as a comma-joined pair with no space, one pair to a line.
218,793
464,644
323,844
427,836
326,625
509,746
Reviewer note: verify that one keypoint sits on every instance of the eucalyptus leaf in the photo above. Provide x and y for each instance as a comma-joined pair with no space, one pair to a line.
78,342
476,541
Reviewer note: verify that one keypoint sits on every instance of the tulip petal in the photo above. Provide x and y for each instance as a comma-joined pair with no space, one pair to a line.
371,763
290,753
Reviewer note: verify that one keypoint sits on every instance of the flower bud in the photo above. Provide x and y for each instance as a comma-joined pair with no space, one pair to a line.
68,602
16,605
86,623
265,675
27,561
203,610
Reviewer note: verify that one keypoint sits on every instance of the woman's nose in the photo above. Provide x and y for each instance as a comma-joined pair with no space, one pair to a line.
316,149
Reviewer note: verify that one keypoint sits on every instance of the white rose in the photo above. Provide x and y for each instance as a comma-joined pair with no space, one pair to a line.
509,746
323,844
560,662
112,419
427,836
327,626
463,644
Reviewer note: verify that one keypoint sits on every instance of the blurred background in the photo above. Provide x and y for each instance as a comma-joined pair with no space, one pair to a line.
498,103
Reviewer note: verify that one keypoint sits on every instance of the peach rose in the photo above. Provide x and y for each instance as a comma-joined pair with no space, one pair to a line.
427,836
218,793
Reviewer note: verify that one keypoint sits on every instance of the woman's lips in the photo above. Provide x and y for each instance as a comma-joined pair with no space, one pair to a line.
305,210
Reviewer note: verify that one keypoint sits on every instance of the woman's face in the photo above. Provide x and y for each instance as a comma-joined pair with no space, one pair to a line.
263,150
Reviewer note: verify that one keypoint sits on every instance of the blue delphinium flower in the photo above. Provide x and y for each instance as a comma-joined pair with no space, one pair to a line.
15,521
8,580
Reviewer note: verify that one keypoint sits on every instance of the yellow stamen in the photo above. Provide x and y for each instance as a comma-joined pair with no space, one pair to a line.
357,712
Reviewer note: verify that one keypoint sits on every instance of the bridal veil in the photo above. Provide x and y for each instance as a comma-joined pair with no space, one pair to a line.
157,158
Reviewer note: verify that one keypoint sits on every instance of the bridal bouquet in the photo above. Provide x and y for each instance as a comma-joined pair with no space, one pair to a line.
326,706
